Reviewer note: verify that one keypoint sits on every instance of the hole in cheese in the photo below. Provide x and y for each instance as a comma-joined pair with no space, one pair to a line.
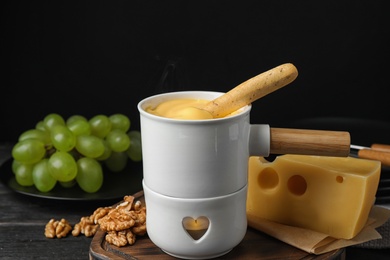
268,178
340,179
297,185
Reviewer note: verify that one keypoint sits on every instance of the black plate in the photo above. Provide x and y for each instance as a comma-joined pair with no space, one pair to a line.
115,185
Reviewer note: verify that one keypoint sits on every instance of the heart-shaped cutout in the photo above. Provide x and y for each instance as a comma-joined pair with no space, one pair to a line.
197,227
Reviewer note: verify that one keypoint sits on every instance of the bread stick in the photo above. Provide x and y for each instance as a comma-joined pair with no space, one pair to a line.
251,90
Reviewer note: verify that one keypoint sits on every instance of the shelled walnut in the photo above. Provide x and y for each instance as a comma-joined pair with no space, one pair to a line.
89,225
125,222
86,227
120,238
120,218
58,229
122,223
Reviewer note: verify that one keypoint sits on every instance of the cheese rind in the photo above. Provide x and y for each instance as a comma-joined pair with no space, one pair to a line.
331,195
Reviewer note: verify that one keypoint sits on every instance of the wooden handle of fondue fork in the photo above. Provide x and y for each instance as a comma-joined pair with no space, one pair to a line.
378,155
310,142
379,152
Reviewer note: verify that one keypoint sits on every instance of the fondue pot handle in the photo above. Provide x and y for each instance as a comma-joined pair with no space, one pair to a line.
309,142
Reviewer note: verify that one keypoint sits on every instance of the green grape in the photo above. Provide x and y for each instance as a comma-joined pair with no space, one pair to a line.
63,139
89,145
118,140
120,121
79,126
41,126
53,119
117,161
135,149
68,184
76,118
72,152
29,151
42,178
107,152
62,166
15,165
38,134
23,174
90,175
100,126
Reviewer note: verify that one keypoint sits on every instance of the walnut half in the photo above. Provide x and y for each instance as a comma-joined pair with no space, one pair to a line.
58,229
125,222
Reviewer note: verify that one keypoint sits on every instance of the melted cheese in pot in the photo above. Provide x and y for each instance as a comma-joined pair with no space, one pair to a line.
189,109
185,109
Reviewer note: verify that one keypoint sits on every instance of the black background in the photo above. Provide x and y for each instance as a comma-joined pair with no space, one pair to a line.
103,57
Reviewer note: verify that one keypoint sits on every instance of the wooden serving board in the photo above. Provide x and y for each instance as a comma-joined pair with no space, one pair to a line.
255,245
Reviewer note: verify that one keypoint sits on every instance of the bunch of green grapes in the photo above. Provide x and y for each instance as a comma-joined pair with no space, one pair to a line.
73,151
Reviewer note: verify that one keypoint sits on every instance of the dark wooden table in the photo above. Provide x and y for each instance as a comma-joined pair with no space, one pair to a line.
23,219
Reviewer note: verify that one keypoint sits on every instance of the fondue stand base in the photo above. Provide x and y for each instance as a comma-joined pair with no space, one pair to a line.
255,245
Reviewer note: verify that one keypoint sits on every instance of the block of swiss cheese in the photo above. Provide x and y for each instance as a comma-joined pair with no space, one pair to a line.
331,195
